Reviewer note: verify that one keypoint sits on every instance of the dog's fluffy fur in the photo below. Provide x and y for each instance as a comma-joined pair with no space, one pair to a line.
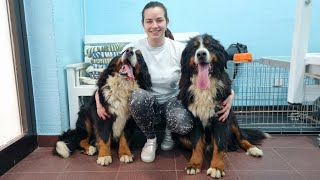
204,84
124,74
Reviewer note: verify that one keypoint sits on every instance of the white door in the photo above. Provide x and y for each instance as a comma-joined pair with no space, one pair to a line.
10,118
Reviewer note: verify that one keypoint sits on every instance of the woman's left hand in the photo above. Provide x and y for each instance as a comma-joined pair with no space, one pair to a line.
226,107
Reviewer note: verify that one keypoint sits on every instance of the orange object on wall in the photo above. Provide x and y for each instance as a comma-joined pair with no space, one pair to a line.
242,57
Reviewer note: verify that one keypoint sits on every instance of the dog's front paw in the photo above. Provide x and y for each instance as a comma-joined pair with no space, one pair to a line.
105,160
91,150
126,158
192,169
254,151
215,173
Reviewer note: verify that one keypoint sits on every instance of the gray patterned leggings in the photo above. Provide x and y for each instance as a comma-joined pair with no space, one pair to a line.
147,112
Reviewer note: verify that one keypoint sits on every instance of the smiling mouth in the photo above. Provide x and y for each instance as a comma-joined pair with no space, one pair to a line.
155,31
210,69
126,71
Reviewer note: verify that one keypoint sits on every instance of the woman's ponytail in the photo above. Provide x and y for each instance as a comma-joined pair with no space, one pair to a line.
168,34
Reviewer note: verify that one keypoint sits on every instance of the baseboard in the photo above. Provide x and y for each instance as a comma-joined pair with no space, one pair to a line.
14,153
47,140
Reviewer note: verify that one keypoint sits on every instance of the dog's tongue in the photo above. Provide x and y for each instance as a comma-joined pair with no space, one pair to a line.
129,71
203,76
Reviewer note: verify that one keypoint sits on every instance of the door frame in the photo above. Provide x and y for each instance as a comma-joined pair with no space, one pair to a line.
15,152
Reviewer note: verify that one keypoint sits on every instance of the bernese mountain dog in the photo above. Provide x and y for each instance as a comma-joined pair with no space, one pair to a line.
125,73
204,84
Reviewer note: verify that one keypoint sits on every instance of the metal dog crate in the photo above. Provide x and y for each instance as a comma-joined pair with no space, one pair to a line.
261,99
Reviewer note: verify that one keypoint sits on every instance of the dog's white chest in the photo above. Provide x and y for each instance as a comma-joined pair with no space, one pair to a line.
117,94
204,104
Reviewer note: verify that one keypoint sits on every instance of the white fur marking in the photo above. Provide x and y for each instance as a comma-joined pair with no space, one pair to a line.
267,135
203,107
133,59
192,171
91,150
62,149
126,158
215,173
254,151
105,160
202,48
117,93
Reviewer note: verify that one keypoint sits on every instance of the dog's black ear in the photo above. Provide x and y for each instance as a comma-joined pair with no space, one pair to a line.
220,50
185,57
108,71
223,55
144,78
186,72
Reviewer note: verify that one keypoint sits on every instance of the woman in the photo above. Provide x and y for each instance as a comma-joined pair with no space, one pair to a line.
162,56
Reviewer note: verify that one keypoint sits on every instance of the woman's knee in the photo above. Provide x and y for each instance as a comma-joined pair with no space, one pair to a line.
140,100
179,120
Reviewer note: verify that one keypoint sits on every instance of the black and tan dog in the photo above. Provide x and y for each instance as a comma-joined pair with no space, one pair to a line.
204,84
124,74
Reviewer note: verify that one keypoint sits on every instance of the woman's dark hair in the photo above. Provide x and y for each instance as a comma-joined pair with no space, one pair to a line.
168,34
154,4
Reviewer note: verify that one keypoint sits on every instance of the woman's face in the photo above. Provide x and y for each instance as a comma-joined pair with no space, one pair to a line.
154,23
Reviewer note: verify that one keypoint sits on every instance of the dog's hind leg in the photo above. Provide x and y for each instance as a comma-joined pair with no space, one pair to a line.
124,152
84,143
104,149
244,143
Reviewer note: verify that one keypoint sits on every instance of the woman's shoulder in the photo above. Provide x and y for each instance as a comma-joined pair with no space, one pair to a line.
137,43
176,44
140,43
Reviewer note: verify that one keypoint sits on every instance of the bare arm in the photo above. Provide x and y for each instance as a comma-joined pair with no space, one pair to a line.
227,106
101,111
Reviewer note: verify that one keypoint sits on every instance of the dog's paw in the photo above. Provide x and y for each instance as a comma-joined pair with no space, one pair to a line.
254,151
126,158
105,160
215,173
91,150
192,169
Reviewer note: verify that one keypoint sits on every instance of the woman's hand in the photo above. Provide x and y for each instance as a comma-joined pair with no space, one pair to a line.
101,111
226,107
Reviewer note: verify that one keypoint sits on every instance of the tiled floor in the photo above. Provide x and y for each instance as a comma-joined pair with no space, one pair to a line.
285,157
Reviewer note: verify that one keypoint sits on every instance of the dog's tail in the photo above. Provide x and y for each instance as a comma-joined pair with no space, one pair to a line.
254,136
68,142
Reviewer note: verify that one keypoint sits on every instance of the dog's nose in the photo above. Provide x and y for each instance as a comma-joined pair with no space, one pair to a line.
129,52
202,55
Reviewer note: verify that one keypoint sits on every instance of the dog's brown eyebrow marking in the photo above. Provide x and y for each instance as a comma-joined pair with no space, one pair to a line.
191,62
214,57
206,42
196,44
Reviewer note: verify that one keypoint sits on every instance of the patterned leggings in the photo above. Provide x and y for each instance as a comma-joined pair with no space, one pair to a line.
147,113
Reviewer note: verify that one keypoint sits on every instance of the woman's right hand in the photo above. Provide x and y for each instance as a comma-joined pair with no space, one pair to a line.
101,111
227,106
